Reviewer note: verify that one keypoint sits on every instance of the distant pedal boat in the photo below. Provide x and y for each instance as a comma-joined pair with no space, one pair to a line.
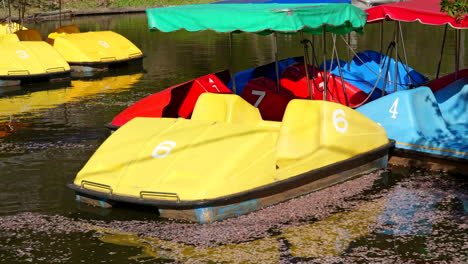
87,51
29,60
226,161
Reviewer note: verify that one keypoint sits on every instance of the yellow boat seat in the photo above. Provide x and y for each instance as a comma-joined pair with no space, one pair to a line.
9,28
229,108
68,29
29,35
9,38
316,133
298,136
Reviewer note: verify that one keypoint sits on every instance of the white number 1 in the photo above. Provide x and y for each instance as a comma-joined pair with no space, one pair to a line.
393,108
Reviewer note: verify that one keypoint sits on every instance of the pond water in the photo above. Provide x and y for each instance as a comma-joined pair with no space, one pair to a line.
49,130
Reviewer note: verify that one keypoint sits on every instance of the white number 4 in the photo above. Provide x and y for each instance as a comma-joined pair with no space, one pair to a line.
393,108
163,149
261,95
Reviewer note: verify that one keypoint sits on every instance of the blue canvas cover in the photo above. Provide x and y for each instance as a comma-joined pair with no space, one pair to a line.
371,66
350,77
414,120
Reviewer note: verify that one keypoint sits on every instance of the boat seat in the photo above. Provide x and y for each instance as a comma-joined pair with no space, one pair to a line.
229,108
9,38
443,81
453,102
28,35
297,137
68,29
262,93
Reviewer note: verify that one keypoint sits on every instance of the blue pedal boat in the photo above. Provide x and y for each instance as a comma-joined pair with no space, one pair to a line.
428,123
430,128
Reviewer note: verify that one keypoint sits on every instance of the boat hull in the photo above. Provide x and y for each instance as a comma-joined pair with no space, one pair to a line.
414,159
207,211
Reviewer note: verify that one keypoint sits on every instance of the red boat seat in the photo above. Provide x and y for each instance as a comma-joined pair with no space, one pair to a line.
262,93
175,101
442,82
209,83
294,79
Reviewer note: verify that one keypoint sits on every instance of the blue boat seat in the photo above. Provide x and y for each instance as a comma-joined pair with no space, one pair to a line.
453,102
414,120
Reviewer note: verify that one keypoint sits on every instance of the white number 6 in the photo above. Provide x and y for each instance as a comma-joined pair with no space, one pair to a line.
163,149
339,117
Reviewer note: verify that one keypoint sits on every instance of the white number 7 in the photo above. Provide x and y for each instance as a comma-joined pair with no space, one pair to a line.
259,93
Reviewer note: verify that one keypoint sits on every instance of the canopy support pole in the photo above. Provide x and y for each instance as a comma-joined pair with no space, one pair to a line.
275,46
395,74
324,47
335,50
457,52
441,51
381,37
231,71
306,63
60,13
348,51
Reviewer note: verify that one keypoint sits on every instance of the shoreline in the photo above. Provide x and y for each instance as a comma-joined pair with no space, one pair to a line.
70,13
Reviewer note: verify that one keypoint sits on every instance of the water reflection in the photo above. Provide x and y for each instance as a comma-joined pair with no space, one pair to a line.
329,237
33,104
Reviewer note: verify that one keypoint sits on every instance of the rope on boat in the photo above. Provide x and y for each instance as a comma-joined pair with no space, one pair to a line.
339,69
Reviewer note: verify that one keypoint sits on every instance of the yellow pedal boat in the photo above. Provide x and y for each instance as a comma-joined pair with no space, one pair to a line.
94,50
28,60
226,161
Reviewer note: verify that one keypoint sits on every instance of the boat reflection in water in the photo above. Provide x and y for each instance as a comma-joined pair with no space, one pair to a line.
326,238
15,109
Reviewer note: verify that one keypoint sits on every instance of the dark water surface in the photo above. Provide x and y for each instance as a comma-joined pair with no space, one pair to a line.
48,132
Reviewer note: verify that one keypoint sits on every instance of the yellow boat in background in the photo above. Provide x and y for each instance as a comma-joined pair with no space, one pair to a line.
94,50
25,60
227,161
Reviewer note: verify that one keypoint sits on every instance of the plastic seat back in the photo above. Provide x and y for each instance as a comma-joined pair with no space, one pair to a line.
68,29
28,35
229,108
318,133
453,102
